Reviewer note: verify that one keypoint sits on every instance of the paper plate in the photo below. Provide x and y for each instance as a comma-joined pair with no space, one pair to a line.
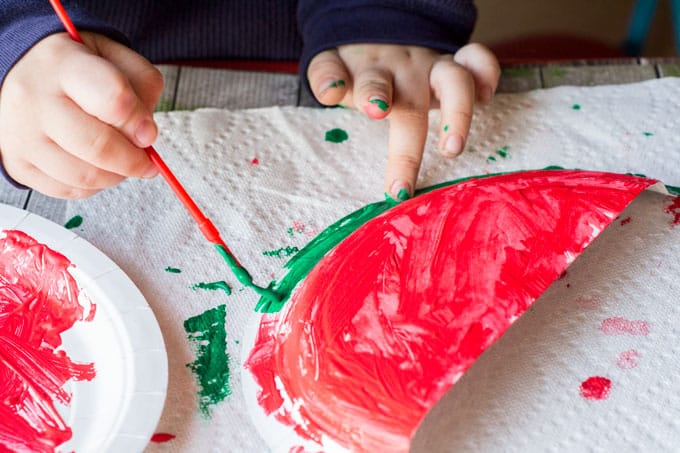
119,409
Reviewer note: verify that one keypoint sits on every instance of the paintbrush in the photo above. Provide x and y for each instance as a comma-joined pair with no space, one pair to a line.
205,225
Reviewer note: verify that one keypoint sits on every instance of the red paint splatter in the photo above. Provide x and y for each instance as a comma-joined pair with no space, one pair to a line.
674,209
625,221
38,302
255,161
425,287
623,326
162,437
595,388
628,359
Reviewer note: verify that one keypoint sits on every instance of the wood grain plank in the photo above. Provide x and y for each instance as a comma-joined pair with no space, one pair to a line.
170,78
222,88
516,79
596,74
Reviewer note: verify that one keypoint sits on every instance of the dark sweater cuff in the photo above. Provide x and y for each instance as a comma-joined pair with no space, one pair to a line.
24,32
344,23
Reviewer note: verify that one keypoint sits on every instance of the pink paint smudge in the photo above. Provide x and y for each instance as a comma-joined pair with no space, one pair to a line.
628,359
623,326
595,388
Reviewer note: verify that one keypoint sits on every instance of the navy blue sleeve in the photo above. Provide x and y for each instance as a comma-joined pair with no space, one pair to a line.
443,25
25,22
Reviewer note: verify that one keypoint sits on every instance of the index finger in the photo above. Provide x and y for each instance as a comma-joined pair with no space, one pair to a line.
406,138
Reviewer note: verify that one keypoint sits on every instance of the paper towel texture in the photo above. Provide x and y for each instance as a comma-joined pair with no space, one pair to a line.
270,182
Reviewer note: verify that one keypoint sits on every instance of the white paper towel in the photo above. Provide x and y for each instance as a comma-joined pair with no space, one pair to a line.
269,180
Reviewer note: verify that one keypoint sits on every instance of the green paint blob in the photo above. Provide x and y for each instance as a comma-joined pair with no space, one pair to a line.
282,252
338,83
503,152
648,134
382,105
74,222
446,128
172,270
211,367
244,277
491,159
213,286
336,135
576,107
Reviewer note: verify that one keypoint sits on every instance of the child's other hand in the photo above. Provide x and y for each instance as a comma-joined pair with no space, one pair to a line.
403,83
74,118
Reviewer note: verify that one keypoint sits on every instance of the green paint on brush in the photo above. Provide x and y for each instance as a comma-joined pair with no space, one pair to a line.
336,135
213,286
382,105
648,134
74,222
172,270
576,107
211,367
287,251
245,278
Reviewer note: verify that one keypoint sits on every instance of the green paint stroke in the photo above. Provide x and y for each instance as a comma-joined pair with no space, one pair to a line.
337,83
576,107
213,286
503,152
243,276
74,222
172,270
648,134
382,105
446,128
282,252
211,367
336,135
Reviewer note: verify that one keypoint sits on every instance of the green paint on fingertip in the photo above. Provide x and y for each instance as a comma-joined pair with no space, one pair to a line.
382,105
576,107
211,367
213,286
336,135
337,83
172,270
74,222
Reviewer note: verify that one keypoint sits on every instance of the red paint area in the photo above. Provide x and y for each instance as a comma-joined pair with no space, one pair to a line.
623,326
393,316
674,209
38,302
255,161
628,359
162,437
595,388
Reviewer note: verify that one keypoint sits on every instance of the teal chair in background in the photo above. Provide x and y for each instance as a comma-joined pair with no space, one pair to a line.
640,22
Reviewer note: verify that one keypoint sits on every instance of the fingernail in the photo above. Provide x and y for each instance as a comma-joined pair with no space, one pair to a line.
400,191
382,105
150,172
453,145
145,133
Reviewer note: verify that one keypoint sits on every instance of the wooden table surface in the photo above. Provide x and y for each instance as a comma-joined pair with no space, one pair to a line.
188,88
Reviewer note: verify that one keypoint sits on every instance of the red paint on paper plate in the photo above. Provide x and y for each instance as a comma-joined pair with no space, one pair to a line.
39,300
628,359
674,209
595,388
393,316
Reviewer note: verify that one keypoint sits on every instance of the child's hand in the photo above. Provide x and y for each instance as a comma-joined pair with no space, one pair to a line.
402,83
74,118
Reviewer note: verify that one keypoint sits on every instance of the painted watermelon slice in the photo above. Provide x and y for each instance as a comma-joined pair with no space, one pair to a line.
393,315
